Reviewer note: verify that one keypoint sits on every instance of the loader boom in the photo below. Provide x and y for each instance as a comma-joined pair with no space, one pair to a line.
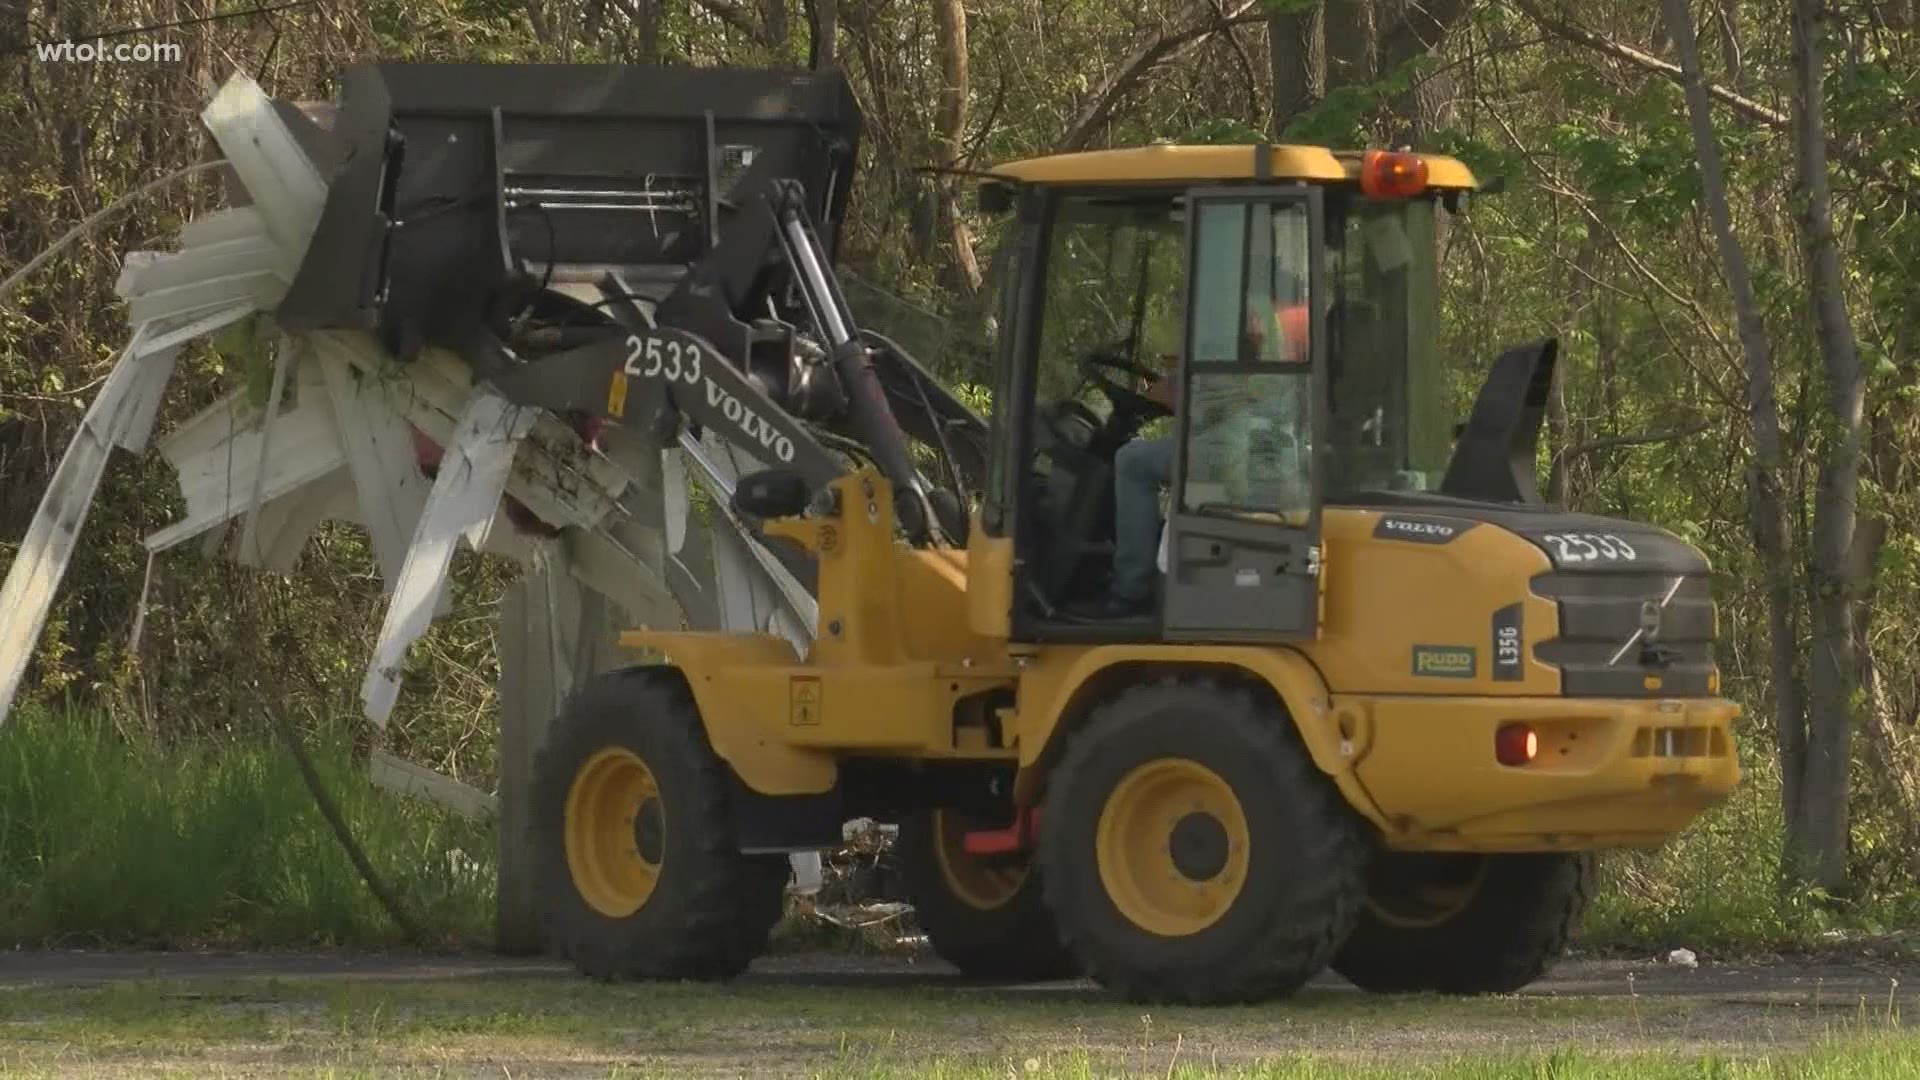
597,254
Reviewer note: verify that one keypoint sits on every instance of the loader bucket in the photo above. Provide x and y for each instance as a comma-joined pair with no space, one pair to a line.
458,189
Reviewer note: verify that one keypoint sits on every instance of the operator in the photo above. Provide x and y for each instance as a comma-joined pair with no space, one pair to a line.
1143,466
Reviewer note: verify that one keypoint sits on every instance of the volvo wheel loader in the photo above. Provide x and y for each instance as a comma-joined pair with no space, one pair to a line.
1379,711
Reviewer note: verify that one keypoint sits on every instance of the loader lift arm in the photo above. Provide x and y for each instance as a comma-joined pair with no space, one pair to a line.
699,360
593,252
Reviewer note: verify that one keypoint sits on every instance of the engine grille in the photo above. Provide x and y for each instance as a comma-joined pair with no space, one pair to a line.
1600,611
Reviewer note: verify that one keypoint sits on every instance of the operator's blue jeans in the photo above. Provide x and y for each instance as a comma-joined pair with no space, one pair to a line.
1140,469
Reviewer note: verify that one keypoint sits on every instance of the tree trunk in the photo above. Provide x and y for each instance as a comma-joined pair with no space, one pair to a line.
1297,54
950,132
773,22
1417,28
1766,507
647,30
1822,832
1349,36
823,17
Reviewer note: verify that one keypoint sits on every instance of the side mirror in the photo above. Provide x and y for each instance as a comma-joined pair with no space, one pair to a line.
772,493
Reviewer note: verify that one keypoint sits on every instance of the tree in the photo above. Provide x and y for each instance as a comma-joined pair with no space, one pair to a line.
1817,835
950,126
1767,509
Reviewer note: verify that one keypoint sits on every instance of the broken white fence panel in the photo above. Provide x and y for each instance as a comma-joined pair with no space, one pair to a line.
463,502
167,333
280,179
246,255
286,524
673,498
145,391
403,777
223,226
380,453
113,419
261,288
218,457
553,476
285,354
617,567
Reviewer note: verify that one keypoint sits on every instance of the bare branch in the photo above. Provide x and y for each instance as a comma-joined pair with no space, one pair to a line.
732,14
1420,30
1614,441
1201,20
1580,35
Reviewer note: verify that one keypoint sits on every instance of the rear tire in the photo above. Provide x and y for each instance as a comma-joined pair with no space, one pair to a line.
983,914
639,875
1464,924
1191,851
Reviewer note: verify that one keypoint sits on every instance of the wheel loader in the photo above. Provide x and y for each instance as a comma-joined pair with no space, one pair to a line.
1381,706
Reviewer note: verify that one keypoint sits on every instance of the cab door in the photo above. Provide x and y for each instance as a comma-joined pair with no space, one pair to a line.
1243,532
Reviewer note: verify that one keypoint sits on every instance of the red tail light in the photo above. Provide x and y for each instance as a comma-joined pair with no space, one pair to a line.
1392,174
1515,744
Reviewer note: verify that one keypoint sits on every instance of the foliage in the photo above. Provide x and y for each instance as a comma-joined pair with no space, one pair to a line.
110,839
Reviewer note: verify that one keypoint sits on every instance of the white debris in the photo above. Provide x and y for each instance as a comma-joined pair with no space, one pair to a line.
1683,958
463,503
808,872
341,446
279,177
120,416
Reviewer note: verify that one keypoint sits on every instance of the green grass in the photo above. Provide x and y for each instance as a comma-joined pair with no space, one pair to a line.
543,1025
111,840
1717,886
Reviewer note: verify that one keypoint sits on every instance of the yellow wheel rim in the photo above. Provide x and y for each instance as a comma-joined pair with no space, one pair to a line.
1426,904
981,882
615,832
1172,847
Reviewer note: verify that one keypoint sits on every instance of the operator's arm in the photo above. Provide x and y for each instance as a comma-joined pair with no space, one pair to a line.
1164,389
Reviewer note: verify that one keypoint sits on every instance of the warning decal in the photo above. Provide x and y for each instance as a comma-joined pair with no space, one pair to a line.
803,699
617,396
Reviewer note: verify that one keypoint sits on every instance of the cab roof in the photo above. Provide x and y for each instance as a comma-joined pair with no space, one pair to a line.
1168,162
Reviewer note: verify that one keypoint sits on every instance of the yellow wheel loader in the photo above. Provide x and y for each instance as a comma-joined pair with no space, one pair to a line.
1369,703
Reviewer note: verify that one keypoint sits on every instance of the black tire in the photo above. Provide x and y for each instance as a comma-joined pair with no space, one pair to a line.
1464,924
1302,880
986,933
710,907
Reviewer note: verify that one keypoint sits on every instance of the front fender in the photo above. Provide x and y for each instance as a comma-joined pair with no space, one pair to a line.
1059,685
727,675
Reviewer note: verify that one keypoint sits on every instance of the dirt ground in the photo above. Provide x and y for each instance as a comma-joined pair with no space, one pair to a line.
247,1013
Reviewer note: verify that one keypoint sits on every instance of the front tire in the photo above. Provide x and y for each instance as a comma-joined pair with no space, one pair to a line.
1464,924
983,914
1191,851
639,875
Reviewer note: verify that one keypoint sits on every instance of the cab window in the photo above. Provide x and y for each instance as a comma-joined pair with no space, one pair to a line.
1248,425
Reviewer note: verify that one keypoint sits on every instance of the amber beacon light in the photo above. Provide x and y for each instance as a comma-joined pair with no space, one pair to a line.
1392,174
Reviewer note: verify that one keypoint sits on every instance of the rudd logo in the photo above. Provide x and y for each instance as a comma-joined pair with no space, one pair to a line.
1419,530
755,426
1444,661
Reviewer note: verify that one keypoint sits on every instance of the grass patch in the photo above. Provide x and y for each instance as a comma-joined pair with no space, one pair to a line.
1717,887
539,1025
110,839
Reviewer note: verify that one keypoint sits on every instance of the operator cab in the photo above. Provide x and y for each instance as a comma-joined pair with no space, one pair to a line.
1265,321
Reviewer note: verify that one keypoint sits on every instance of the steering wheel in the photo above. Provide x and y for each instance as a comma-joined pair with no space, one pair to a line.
1096,366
